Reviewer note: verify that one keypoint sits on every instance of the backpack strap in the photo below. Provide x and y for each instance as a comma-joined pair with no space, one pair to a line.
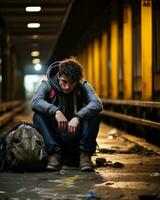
52,92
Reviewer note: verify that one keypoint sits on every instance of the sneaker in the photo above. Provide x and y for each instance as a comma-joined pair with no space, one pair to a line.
86,164
54,162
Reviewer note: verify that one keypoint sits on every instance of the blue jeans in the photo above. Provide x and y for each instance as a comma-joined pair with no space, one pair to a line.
67,144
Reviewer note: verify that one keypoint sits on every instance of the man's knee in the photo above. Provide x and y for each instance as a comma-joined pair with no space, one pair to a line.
39,117
36,118
91,126
95,120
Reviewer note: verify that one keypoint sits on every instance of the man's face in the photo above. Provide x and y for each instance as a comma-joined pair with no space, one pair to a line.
66,85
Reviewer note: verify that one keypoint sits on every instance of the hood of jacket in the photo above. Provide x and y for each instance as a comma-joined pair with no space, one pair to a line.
52,75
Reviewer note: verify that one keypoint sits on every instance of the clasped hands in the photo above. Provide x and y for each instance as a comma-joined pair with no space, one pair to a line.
64,125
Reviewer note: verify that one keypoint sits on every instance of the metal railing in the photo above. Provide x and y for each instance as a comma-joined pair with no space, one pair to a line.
8,110
134,111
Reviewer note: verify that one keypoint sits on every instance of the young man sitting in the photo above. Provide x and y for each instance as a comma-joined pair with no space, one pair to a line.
67,115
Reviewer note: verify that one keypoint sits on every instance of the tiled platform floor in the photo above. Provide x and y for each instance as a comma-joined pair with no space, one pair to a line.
138,179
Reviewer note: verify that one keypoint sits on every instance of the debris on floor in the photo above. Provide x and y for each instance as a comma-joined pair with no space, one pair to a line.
100,162
137,149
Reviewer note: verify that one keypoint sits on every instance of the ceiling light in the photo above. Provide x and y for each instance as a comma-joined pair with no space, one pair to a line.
35,36
33,8
33,25
35,53
36,61
37,67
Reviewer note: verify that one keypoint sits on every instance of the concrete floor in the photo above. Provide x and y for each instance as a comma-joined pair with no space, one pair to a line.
127,175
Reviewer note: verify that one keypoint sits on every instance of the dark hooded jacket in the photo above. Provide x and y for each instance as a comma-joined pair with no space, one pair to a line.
81,102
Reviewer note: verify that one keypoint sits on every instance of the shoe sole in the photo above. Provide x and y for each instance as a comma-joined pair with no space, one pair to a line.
87,169
52,168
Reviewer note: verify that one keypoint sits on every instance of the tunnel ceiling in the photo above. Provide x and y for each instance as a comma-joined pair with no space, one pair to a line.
63,25
51,18
86,19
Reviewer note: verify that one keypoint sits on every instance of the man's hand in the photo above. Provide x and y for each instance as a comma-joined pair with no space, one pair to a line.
73,123
62,121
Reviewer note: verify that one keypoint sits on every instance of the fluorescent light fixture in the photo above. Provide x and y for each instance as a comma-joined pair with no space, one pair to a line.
35,36
35,53
33,8
33,25
38,67
36,61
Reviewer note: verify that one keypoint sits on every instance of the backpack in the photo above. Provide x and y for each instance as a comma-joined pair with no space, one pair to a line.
25,150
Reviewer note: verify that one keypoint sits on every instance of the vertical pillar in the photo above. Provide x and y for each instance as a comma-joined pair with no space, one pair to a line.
6,82
83,62
96,60
90,64
104,61
127,50
146,39
114,52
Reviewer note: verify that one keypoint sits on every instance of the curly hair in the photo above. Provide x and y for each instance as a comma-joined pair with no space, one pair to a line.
71,68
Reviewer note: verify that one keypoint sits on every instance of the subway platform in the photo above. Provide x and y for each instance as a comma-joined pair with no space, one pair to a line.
126,167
